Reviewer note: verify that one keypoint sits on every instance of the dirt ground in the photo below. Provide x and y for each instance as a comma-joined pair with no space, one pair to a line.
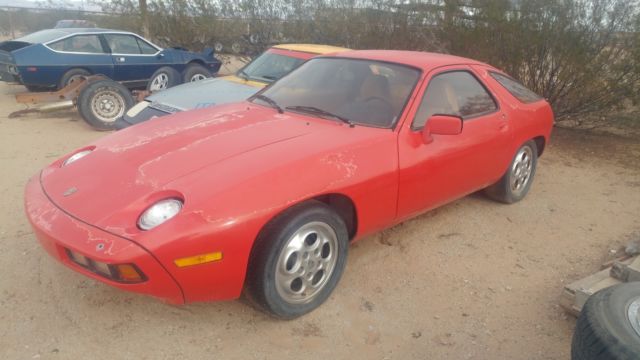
472,280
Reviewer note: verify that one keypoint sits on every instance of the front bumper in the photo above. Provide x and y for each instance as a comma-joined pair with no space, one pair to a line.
59,232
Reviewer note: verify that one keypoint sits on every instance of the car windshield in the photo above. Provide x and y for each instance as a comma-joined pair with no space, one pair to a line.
43,36
269,67
363,92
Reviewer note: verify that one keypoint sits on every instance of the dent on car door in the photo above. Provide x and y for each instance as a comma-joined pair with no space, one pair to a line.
133,58
451,166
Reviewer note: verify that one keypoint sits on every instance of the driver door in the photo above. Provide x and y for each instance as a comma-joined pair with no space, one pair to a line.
451,166
133,58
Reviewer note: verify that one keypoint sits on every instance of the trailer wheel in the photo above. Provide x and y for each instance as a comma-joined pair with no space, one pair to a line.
103,102
609,325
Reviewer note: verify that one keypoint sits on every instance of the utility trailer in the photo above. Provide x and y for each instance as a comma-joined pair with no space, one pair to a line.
100,100
621,270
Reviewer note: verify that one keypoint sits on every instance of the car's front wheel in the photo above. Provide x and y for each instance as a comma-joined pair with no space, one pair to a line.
164,78
514,185
298,260
195,72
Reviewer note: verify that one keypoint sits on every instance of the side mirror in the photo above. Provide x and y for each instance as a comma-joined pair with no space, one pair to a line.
441,125
160,56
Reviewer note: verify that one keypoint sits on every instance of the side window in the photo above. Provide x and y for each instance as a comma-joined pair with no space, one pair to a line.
515,88
123,44
145,47
454,93
79,44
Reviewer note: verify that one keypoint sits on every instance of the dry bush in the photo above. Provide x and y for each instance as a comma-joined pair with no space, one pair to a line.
582,55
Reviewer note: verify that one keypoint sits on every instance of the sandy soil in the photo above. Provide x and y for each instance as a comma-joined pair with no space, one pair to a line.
472,280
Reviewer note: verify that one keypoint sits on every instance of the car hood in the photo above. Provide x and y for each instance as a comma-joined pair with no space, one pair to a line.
205,93
129,170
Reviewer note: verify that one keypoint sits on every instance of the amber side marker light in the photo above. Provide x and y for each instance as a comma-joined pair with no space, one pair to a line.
198,259
123,273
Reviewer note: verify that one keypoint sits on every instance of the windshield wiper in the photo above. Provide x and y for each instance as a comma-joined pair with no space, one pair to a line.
318,111
270,101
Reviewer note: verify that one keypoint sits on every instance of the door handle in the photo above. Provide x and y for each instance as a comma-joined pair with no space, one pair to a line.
120,59
504,123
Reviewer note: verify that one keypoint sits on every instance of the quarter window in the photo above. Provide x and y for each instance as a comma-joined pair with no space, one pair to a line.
128,44
79,44
516,89
456,93
145,47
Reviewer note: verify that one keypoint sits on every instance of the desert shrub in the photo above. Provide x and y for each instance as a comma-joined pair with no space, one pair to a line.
582,55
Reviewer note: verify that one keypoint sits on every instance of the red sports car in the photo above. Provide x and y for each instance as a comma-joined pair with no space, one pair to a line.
268,193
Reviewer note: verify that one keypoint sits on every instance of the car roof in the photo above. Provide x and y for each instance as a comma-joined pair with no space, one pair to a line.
423,60
82,30
311,48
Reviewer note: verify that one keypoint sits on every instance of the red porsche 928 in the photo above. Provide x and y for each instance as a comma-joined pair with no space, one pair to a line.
268,193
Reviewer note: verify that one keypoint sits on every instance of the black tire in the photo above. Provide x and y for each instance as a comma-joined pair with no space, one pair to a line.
502,190
164,78
195,71
266,253
604,330
71,76
103,102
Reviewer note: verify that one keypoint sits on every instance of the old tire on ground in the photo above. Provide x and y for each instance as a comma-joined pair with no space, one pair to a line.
195,72
609,325
514,185
164,78
102,102
71,76
297,260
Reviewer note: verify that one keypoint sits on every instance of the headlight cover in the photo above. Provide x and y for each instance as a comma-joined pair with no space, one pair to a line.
158,213
77,156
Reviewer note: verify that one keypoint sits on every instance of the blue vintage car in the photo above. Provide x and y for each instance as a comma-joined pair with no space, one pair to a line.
51,59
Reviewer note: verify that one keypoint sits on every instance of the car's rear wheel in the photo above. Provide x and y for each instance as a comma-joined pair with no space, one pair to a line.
103,102
514,185
164,78
71,76
195,72
298,260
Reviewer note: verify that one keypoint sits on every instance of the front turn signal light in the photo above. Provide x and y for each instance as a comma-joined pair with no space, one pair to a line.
198,259
128,273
